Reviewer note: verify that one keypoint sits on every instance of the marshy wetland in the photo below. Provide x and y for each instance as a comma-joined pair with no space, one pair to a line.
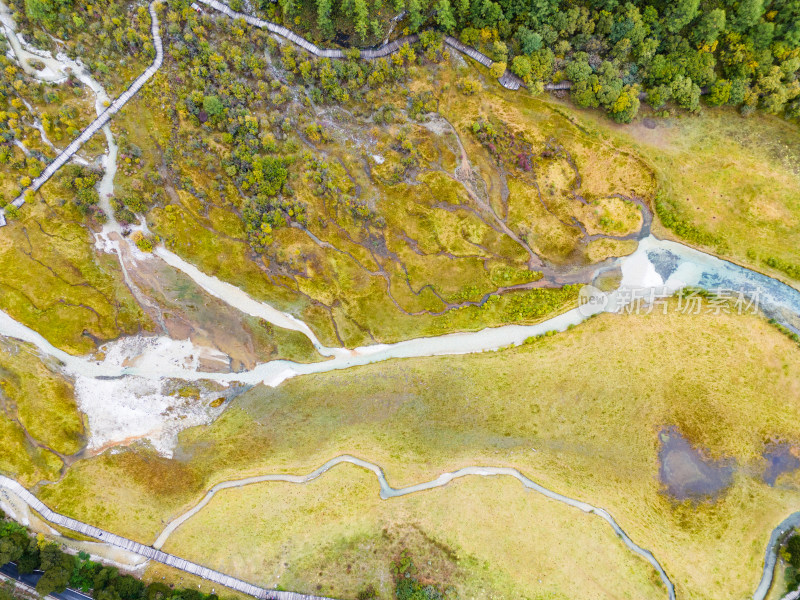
423,232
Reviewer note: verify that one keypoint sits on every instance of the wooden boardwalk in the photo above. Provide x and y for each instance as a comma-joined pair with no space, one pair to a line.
508,79
469,51
148,551
102,119
561,85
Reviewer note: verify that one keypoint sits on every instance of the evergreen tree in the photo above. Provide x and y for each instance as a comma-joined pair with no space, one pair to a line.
444,16
529,41
415,16
361,18
57,568
685,92
707,28
324,18
745,14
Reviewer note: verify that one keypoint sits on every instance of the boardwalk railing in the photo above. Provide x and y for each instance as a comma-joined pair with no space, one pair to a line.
148,551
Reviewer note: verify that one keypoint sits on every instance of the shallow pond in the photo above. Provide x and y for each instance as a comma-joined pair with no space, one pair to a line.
780,460
686,473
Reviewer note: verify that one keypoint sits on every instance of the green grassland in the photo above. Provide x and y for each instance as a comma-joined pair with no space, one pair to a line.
28,463
579,412
335,537
44,401
725,183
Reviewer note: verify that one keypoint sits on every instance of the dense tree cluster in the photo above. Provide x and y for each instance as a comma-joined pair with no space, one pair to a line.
791,551
242,94
744,53
231,96
82,181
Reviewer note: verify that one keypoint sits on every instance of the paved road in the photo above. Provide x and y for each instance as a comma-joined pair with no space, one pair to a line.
10,570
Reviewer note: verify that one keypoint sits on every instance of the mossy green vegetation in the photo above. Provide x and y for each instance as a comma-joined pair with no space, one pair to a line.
370,220
41,400
578,412
28,463
364,247
53,281
39,419
35,120
112,37
388,200
790,269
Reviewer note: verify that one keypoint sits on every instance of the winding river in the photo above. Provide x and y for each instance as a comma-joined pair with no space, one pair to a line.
658,267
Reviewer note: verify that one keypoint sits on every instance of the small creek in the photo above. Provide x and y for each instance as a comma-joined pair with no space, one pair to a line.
387,492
